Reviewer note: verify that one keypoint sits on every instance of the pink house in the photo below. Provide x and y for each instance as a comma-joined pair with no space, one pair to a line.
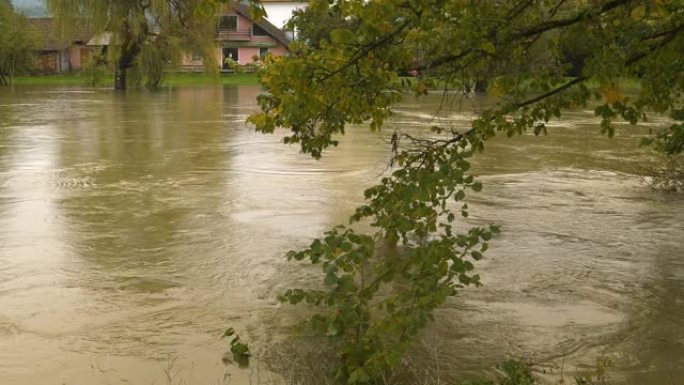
240,39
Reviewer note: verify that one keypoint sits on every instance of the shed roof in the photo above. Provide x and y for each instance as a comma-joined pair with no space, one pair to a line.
101,39
54,37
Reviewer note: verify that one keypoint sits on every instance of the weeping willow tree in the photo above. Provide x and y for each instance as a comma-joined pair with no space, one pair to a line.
144,36
17,43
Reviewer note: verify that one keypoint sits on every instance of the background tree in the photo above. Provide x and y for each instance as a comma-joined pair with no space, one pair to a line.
17,43
147,35
374,302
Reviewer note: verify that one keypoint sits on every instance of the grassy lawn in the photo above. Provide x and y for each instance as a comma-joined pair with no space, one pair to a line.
172,79
199,78
50,80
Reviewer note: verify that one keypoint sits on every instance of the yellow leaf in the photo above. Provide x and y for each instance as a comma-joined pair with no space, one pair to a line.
494,90
612,93
638,13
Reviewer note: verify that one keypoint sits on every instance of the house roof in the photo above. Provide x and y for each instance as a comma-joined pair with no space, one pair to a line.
101,39
54,37
266,25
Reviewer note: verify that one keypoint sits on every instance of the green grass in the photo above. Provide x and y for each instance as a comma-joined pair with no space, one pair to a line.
627,84
172,79
51,80
201,79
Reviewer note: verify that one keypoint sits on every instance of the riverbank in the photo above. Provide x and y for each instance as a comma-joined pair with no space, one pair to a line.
203,79
173,79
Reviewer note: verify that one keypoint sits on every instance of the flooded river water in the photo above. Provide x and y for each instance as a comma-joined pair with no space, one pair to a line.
134,228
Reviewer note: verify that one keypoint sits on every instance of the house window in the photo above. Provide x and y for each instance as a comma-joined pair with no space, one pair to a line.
258,31
196,56
263,51
228,23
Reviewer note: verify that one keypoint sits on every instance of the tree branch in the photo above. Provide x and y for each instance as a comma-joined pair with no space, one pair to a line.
546,95
366,49
554,24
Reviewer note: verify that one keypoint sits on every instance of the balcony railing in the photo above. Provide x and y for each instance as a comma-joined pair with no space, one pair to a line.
235,35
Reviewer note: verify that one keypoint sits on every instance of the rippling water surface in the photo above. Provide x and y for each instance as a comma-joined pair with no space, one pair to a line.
134,228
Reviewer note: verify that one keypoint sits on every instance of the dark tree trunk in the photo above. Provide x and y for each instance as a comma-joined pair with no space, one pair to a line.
125,62
120,78
130,50
481,86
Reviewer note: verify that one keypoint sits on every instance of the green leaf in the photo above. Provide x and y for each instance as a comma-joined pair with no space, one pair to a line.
488,47
330,279
460,195
358,376
342,36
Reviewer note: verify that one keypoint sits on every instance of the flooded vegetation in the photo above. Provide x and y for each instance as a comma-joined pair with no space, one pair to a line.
135,228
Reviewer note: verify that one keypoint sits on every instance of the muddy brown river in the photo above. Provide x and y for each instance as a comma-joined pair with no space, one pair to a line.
135,228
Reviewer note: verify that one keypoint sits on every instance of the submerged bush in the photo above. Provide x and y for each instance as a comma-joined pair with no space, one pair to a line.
307,360
666,172
95,69
511,372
